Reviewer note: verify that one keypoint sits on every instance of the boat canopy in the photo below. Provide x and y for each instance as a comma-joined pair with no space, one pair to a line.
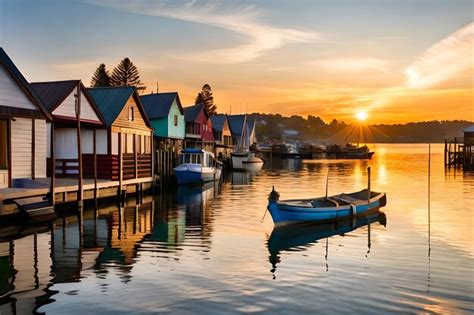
197,156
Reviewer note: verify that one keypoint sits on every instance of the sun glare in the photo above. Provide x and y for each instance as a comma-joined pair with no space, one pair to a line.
361,115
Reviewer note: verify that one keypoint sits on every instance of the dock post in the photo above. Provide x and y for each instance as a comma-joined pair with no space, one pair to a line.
95,166
80,201
53,167
445,150
119,191
137,193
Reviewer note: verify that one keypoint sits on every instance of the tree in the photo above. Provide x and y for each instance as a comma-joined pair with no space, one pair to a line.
100,77
205,97
125,74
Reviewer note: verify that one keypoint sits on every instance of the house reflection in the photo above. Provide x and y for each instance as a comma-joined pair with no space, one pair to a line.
182,222
63,250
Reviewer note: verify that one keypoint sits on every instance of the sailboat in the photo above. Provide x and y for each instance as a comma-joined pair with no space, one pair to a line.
242,157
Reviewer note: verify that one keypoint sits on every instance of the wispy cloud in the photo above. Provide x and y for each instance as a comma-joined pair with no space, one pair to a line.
244,20
352,64
444,60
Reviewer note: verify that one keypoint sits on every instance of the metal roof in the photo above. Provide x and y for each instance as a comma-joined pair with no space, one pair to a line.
111,100
192,112
54,93
218,122
158,105
236,123
21,81
469,129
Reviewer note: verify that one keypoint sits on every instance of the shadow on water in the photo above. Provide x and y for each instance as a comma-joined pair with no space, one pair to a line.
300,237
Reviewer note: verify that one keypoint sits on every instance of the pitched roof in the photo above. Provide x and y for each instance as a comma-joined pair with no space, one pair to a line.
236,123
21,81
192,112
158,105
54,93
218,122
111,100
469,129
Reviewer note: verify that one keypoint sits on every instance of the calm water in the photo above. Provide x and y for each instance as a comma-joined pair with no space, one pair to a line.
204,250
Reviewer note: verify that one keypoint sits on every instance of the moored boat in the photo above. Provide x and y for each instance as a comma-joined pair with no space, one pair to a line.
239,157
253,164
197,166
335,207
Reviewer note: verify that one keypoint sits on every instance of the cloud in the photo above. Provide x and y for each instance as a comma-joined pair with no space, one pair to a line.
353,64
244,20
452,56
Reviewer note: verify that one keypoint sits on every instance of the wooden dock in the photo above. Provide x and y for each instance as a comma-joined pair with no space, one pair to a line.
458,154
67,190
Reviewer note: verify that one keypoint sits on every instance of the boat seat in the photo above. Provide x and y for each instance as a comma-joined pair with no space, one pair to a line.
348,199
334,202
298,204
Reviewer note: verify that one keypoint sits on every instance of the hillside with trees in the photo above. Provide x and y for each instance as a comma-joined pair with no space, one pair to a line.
273,126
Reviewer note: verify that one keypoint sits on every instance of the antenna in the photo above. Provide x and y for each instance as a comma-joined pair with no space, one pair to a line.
157,87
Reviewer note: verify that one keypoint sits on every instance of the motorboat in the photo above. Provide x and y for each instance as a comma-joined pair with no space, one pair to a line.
197,166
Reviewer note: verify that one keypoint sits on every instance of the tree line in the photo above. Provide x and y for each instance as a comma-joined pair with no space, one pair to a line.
126,74
313,128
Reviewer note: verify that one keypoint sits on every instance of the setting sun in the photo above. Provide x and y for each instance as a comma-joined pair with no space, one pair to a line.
361,115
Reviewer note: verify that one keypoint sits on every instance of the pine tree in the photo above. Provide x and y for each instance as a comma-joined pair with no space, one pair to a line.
205,97
100,77
125,74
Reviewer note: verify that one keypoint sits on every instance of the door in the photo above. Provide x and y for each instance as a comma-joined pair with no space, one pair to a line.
3,153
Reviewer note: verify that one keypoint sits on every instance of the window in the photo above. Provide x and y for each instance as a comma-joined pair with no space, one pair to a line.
130,114
3,145
175,120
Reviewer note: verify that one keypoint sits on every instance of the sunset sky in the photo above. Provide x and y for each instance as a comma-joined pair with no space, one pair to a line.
400,61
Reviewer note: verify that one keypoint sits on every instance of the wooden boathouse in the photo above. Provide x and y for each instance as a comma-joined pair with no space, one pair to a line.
128,139
166,115
222,136
23,128
198,128
77,125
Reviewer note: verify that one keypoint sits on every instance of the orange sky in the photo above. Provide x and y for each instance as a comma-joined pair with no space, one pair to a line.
399,61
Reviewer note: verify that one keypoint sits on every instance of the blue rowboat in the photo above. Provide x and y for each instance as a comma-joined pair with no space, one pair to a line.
197,166
331,208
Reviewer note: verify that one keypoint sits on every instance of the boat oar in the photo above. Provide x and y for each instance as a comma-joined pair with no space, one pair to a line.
261,220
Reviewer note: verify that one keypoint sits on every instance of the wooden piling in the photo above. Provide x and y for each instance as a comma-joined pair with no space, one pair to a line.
53,166
79,149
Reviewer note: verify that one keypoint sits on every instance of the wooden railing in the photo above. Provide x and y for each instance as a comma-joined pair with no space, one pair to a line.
107,166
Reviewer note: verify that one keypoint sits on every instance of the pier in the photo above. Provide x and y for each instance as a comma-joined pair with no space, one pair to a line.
460,154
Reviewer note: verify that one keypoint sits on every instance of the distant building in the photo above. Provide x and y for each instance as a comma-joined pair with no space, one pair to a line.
469,146
23,129
222,136
243,131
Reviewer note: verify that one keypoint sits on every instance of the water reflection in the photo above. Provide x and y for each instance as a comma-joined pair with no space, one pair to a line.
296,238
205,248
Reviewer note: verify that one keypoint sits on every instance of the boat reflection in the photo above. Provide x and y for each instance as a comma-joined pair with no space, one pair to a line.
300,237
